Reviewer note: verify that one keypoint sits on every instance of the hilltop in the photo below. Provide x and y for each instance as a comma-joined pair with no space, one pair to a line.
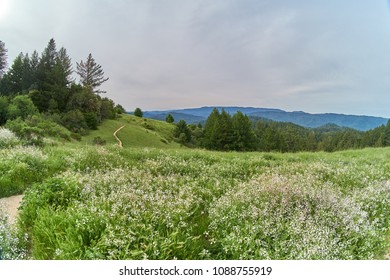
137,132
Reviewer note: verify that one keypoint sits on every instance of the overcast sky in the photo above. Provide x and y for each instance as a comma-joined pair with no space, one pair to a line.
309,55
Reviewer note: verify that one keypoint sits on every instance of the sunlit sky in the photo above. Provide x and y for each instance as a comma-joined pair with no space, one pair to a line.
309,55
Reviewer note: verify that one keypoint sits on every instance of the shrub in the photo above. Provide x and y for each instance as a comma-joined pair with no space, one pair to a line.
99,141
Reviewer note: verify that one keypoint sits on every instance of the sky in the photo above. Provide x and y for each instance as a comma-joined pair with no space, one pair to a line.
297,55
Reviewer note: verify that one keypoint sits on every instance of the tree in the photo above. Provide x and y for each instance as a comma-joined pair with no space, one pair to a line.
3,58
91,74
138,113
3,110
182,132
210,137
169,119
243,135
21,106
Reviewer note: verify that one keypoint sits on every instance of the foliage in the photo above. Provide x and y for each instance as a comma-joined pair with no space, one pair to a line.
21,106
138,113
12,246
169,118
47,81
182,133
75,121
7,138
91,74
99,141
109,203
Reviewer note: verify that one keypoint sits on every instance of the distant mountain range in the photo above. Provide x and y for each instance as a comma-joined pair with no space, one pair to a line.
196,115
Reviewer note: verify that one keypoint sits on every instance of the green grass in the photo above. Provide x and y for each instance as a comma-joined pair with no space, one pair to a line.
138,132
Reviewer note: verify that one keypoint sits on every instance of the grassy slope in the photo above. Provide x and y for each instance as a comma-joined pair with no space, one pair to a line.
138,132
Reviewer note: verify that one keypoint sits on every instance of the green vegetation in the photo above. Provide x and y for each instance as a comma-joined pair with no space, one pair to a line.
104,202
138,132
87,198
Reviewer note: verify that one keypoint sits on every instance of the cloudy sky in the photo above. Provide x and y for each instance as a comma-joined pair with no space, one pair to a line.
309,55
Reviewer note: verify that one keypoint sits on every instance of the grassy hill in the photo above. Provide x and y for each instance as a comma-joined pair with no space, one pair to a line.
137,132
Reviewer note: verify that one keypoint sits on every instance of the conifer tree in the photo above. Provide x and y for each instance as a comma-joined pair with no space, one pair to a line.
91,74
169,119
210,137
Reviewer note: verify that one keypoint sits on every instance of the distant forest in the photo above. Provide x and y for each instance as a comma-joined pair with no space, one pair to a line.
39,95
224,132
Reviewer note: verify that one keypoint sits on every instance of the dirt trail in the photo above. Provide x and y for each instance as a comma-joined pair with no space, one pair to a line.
117,138
10,206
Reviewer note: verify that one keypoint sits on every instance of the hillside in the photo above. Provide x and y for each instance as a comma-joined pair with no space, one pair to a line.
195,115
137,132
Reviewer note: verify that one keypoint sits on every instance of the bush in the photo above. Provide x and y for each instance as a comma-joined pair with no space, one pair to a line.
99,141
75,121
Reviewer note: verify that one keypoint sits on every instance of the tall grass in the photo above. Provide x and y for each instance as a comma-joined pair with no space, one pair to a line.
111,203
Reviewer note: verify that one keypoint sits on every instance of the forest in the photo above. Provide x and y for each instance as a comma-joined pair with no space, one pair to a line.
223,132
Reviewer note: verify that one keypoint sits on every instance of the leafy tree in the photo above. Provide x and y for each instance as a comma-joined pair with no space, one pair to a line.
21,106
119,109
169,119
138,113
91,119
3,58
91,74
107,110
74,120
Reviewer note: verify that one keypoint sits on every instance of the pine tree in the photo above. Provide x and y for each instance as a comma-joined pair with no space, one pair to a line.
3,58
169,119
182,132
210,137
243,135
91,74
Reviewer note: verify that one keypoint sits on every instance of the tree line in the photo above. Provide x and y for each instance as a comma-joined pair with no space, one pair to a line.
223,132
44,86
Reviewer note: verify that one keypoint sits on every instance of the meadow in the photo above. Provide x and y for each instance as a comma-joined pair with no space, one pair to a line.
103,202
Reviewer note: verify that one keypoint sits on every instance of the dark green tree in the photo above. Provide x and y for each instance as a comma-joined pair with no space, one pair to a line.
210,130
169,119
138,113
91,74
224,132
182,132
74,120
243,135
3,110
107,109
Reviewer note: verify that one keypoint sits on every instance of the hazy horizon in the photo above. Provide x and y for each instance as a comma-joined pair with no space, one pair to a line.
311,56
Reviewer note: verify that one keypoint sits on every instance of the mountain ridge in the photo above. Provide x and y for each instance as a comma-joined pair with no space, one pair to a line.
196,115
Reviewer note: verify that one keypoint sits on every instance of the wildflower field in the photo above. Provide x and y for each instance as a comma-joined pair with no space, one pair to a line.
92,202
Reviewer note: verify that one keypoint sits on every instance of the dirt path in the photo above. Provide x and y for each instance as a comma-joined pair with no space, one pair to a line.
117,138
10,206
